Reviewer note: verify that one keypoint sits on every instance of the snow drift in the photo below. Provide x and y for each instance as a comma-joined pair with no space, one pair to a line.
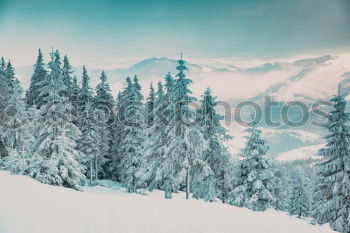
31,207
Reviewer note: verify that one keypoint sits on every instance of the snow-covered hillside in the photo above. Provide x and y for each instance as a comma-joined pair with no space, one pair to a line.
31,207
302,153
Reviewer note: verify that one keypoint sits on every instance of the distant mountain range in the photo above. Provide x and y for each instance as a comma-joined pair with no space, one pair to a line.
307,80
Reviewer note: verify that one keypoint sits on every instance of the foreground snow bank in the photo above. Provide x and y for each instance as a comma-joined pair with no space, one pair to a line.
31,207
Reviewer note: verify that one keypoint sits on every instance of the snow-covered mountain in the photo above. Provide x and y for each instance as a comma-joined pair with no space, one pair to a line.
307,79
302,153
302,79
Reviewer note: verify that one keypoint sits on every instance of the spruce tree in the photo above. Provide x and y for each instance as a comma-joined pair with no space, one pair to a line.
56,159
300,197
217,156
154,168
15,113
332,192
118,127
105,103
180,151
75,90
4,90
88,142
132,136
255,184
67,78
159,94
150,106
85,100
169,83
36,83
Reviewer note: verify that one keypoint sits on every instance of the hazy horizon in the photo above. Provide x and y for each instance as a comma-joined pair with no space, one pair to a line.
105,33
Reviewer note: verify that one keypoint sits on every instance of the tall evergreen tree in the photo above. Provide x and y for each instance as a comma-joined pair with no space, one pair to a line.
217,156
37,82
169,83
255,186
67,77
56,159
132,136
118,127
4,90
15,113
75,89
88,142
105,103
10,77
150,106
159,94
85,98
331,196
112,171
181,147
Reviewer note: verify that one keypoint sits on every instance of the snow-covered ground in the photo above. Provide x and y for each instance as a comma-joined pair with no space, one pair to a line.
31,207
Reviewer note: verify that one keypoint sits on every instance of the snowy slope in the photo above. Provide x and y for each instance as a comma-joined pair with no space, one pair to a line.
31,207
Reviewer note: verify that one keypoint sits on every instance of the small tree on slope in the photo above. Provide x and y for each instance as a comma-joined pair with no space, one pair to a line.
300,197
256,186
332,193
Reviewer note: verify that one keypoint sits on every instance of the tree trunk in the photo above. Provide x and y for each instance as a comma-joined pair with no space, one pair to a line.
188,184
167,194
223,188
91,172
96,170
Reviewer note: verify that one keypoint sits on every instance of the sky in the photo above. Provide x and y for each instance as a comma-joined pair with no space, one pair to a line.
105,33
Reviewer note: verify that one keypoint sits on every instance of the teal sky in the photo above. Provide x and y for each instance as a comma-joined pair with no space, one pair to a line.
101,32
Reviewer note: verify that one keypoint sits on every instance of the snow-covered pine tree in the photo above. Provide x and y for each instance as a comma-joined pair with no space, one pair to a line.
154,169
75,90
332,190
88,143
37,82
56,159
300,197
103,93
85,99
117,127
93,144
105,105
159,94
137,84
150,105
182,145
14,117
169,83
217,156
67,77
255,184
132,136
13,112
4,90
